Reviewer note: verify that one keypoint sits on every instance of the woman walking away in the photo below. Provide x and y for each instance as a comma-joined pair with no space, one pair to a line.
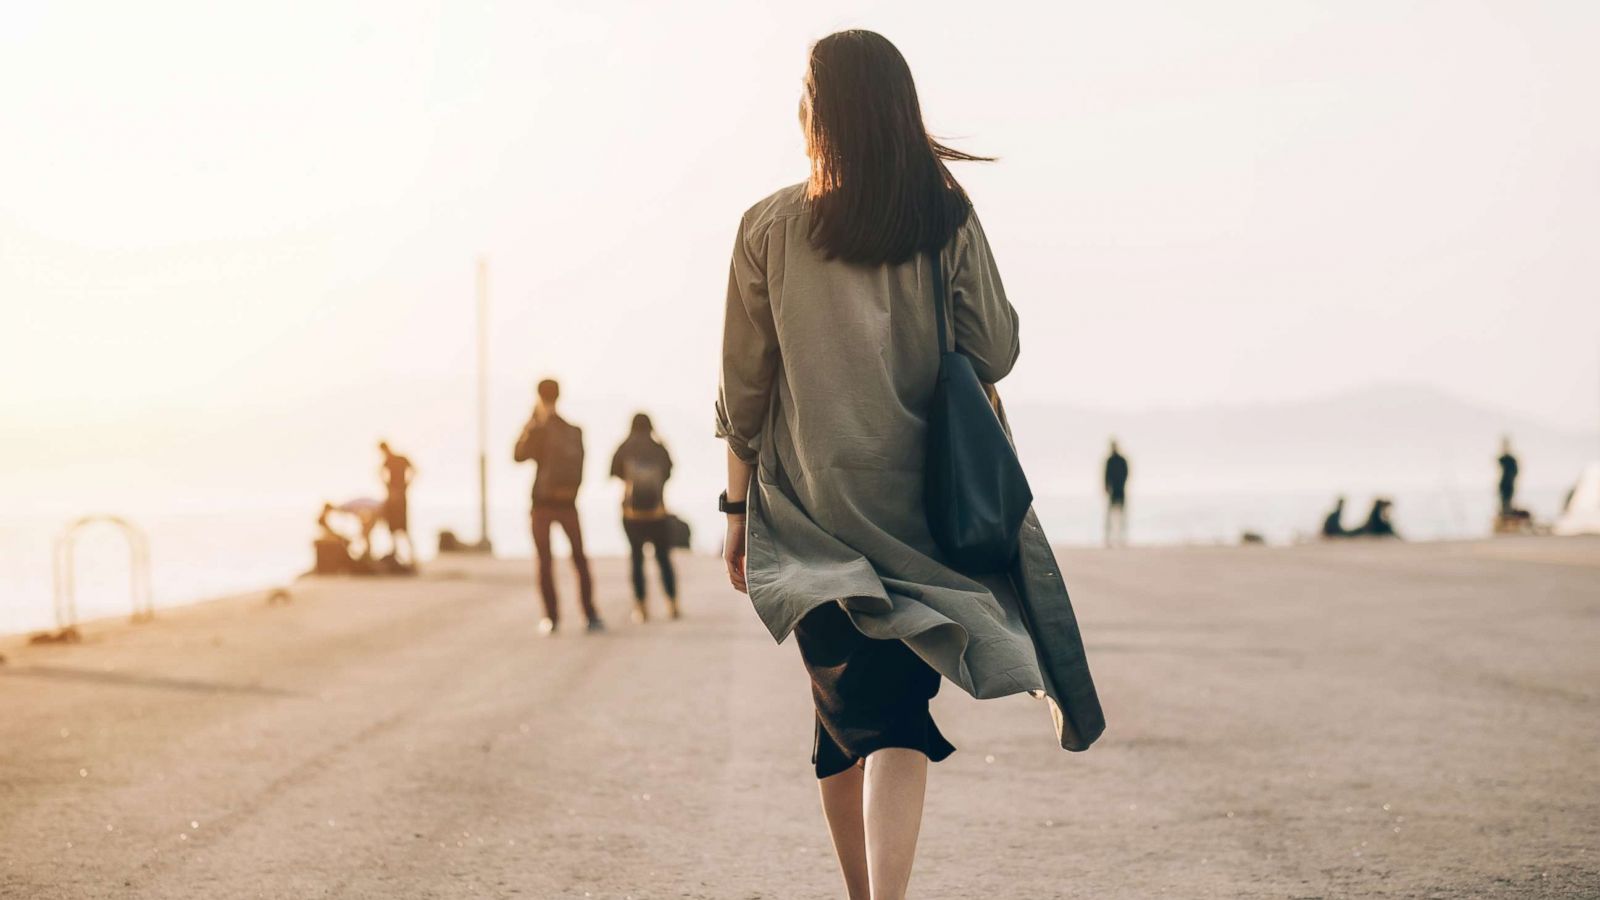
830,356
643,464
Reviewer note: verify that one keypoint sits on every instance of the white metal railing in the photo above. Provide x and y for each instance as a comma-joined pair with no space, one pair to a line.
66,600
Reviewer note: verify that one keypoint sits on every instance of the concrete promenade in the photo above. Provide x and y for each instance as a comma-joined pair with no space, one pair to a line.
1362,720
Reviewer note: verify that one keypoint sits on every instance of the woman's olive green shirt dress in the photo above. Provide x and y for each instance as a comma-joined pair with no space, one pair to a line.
828,369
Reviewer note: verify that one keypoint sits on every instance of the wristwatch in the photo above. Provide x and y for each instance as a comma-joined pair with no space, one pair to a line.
727,506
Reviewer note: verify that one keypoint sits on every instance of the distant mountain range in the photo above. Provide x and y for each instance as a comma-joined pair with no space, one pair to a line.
1377,439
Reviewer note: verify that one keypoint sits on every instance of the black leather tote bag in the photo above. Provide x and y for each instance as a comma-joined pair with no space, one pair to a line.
975,493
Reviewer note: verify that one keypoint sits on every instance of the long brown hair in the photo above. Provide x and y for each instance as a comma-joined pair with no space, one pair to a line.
879,189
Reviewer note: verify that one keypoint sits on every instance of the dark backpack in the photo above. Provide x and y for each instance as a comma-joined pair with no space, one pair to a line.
646,480
561,464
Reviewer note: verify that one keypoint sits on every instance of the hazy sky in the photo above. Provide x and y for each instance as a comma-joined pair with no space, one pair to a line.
260,215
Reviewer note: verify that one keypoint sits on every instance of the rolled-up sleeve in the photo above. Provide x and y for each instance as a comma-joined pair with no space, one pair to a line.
749,350
985,322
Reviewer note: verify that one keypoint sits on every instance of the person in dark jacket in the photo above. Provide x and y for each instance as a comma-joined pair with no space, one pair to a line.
643,464
1508,478
555,447
1116,498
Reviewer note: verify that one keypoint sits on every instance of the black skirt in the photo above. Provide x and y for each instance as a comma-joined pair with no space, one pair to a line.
870,694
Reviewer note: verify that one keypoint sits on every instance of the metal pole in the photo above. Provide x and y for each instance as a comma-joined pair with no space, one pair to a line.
483,402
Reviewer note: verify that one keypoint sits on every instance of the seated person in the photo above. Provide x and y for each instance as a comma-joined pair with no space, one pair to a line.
1333,525
1378,524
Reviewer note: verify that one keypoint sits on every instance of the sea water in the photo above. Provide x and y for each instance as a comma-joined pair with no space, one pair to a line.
197,555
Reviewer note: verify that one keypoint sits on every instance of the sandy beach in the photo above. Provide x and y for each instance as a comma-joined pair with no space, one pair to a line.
1362,720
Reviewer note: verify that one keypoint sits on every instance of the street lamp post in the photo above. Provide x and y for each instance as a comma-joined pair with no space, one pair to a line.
483,404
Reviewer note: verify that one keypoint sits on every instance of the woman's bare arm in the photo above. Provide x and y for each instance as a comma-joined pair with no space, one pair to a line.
739,473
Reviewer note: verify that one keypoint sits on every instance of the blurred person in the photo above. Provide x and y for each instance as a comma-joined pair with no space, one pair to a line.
1333,525
1508,478
1378,523
334,521
325,526
331,546
644,465
396,473
555,447
828,373
1116,482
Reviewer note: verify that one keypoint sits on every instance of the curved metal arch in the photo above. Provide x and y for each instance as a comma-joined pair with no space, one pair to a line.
66,599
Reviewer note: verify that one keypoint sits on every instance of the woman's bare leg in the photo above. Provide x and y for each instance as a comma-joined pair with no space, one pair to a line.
841,804
896,780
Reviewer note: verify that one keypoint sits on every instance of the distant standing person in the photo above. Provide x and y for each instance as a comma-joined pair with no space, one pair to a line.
643,464
396,473
1116,498
555,447
1508,477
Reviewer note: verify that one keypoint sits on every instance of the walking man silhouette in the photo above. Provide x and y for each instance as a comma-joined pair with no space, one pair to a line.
555,447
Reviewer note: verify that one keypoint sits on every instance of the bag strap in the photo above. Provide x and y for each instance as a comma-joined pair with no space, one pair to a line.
939,300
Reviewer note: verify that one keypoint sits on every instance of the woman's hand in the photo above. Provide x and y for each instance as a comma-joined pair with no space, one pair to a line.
733,554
